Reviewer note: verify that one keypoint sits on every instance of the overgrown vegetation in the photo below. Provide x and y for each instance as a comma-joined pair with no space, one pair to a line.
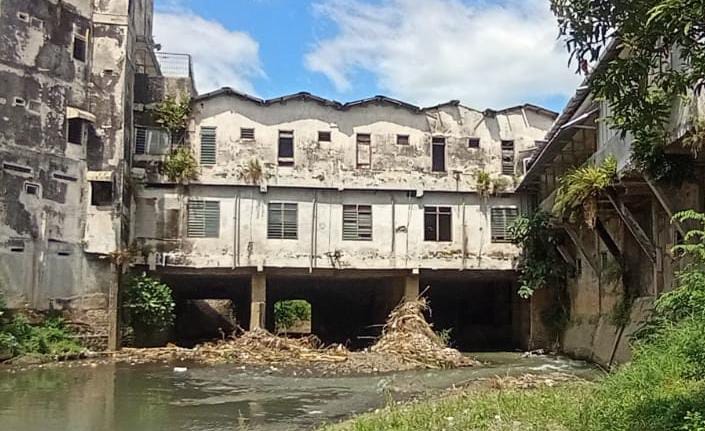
148,304
181,165
288,313
483,183
50,338
540,265
172,114
576,197
641,85
252,172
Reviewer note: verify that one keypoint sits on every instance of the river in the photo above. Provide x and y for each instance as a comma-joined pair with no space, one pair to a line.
155,397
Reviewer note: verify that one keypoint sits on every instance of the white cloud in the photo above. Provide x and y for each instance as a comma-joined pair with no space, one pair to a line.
221,57
428,51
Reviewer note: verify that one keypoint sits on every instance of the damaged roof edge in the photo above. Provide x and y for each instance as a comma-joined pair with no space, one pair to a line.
227,91
613,48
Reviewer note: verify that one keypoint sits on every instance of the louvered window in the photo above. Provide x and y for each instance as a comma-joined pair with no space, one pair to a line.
501,219
282,221
437,224
357,222
247,133
507,157
151,141
203,219
364,150
208,145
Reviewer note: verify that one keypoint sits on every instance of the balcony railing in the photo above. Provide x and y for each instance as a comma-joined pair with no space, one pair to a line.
175,65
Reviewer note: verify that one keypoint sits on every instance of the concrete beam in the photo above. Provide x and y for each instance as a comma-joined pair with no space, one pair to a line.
633,226
608,241
258,300
581,248
665,203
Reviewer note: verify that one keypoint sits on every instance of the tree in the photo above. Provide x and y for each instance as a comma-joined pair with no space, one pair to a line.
659,58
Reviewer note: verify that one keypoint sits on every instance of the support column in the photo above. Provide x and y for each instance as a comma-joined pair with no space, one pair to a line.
114,308
411,287
258,300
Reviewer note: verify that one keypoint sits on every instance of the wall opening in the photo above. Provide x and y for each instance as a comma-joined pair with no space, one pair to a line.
292,317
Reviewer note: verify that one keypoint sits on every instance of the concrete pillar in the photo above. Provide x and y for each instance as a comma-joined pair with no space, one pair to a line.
258,300
411,287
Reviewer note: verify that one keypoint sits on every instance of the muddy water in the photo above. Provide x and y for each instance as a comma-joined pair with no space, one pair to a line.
155,397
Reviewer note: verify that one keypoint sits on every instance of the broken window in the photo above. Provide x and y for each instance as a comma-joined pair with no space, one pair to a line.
501,219
75,131
282,220
402,139
357,222
152,141
323,136
437,223
101,193
438,154
247,133
208,145
364,150
473,142
80,46
203,219
507,157
285,154
32,189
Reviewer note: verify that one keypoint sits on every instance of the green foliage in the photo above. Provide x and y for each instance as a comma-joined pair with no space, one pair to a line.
540,265
500,185
252,172
483,182
576,197
290,312
173,113
641,85
50,338
622,311
149,304
181,165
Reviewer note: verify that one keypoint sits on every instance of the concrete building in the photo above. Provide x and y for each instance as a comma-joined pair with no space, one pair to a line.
69,70
349,206
628,254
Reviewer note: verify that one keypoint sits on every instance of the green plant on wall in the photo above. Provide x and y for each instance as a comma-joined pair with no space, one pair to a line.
540,265
500,185
252,172
181,165
576,197
483,183
173,114
148,304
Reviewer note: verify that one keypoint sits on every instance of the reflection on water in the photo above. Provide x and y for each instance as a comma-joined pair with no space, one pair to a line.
154,397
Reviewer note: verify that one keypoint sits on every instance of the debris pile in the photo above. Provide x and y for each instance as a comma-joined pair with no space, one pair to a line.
531,381
411,339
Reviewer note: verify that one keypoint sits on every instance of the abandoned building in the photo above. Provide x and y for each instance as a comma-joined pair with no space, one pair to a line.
627,256
352,207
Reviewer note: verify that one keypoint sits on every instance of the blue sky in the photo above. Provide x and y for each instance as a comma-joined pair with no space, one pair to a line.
487,54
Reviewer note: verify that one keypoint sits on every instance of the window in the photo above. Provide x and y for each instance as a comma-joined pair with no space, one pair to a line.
473,142
208,145
247,133
285,152
438,154
437,223
357,222
75,131
16,168
16,245
22,16
18,101
151,141
282,221
101,193
402,139
323,136
32,189
507,157
364,150
64,177
79,47
501,219
34,106
203,219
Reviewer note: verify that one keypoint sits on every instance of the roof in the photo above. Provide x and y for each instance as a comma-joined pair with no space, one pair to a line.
227,91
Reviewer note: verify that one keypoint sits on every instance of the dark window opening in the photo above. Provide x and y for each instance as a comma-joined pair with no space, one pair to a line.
364,150
437,224
282,220
16,168
438,155
16,245
507,157
64,177
19,101
75,131
79,48
64,253
501,218
473,142
31,189
247,133
402,139
101,193
323,136
286,148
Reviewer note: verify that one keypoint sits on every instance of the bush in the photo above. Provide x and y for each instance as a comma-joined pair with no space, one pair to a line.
149,304
181,165
289,313
51,337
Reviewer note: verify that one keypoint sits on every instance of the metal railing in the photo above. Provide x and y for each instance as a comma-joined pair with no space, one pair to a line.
175,65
